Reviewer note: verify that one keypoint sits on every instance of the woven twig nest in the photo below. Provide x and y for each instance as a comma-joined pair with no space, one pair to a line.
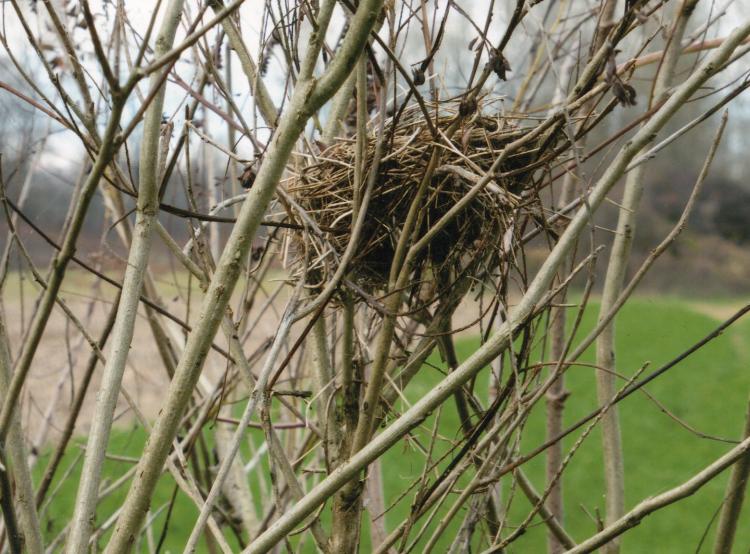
473,240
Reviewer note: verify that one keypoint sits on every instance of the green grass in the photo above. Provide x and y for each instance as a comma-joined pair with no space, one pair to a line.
122,443
709,391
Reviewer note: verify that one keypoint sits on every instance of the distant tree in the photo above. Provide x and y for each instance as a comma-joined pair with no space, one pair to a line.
732,212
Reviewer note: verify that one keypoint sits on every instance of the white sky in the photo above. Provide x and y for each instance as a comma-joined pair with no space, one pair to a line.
454,58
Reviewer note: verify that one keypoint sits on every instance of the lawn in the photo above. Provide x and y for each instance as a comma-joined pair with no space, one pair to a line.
709,391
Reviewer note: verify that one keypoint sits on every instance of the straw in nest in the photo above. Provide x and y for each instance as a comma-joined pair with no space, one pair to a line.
476,236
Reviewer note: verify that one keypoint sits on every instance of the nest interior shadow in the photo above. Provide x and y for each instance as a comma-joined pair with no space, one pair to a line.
488,228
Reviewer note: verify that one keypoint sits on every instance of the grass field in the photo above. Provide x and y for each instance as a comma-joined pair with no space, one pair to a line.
709,391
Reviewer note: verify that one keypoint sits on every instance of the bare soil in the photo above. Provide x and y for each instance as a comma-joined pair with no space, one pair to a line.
63,354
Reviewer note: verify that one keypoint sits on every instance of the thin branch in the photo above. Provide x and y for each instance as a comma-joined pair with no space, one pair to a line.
647,507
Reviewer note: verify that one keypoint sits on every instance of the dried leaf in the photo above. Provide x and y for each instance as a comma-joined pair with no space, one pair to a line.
467,106
248,176
417,76
498,64
58,62
624,93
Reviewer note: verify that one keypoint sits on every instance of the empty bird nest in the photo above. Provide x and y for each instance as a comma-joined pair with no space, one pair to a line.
483,234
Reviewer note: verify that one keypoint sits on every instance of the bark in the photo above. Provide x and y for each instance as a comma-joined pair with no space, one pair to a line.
16,455
735,495
518,316
309,96
557,394
262,97
84,516
555,397
614,470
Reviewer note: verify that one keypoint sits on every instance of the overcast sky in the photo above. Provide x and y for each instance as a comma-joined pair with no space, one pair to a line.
452,62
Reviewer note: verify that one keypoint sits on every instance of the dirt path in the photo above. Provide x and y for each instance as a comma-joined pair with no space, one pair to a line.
719,310
62,355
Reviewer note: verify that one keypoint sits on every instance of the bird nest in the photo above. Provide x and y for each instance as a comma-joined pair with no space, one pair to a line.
486,231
